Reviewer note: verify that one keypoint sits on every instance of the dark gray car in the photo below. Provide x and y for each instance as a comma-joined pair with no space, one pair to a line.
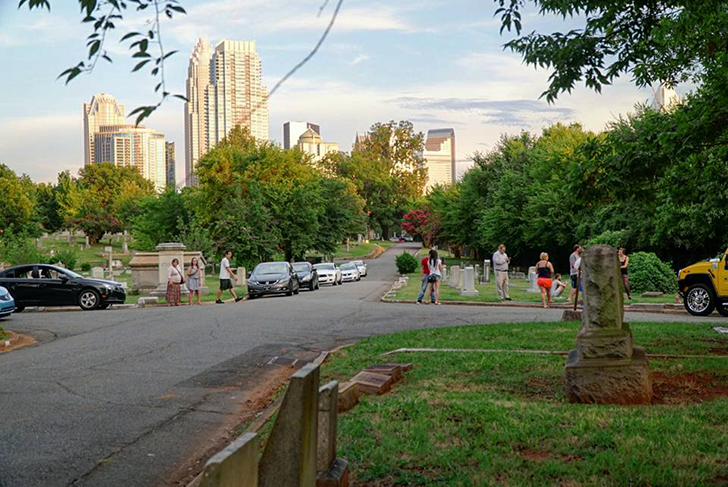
273,278
307,275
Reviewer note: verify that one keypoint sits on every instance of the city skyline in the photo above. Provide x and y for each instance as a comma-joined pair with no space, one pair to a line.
440,157
377,65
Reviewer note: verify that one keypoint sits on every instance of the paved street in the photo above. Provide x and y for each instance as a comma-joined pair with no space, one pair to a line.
122,398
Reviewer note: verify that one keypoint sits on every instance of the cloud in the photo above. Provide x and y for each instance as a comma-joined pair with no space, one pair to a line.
359,59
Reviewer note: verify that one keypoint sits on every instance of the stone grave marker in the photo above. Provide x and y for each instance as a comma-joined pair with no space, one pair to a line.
289,458
242,276
454,276
392,370
331,471
532,278
468,288
87,243
372,383
348,396
486,270
235,466
124,247
605,368
97,272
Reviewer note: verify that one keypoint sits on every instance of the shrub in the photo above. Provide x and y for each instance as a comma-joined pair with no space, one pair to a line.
86,267
67,257
648,273
406,263
18,249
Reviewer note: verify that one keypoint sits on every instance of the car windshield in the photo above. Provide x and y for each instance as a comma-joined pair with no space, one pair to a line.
347,267
325,267
271,268
358,263
300,267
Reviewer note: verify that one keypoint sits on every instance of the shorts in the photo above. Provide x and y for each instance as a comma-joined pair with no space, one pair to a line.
433,278
225,284
544,282
574,279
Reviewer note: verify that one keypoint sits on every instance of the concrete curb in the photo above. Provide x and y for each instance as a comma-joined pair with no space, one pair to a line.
15,341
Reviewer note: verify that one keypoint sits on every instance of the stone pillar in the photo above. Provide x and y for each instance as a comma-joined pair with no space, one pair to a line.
289,458
532,277
605,368
167,252
236,465
242,276
486,270
87,243
468,288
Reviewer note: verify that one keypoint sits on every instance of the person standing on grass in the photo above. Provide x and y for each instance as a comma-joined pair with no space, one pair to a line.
225,274
193,279
435,266
174,281
624,269
424,263
500,265
573,272
544,270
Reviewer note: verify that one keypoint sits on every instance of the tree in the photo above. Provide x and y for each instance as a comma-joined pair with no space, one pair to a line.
161,219
48,208
17,203
655,42
420,222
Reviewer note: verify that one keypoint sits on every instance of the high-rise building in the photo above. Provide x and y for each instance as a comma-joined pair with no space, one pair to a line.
196,113
133,146
170,159
293,130
666,98
439,157
311,143
103,110
231,95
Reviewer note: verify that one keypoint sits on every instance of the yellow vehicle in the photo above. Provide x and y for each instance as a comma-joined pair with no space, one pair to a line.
704,286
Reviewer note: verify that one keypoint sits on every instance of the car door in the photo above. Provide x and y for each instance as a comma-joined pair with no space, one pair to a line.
722,276
57,288
25,286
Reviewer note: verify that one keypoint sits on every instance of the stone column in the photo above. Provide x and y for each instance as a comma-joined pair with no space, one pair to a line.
167,252
605,368
486,270
468,288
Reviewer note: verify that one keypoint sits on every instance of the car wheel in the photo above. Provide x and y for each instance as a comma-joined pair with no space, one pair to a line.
699,300
104,306
298,288
312,286
88,299
722,310
318,285
252,296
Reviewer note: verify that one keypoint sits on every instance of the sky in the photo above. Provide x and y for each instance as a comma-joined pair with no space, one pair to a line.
437,63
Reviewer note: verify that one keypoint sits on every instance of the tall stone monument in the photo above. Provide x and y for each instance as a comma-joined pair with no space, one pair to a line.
605,368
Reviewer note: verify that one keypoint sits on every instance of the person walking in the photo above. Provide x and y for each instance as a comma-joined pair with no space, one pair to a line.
193,279
424,263
544,270
174,281
225,274
574,272
435,266
624,269
500,265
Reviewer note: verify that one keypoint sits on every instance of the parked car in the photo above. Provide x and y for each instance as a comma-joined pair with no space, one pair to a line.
7,303
273,278
362,266
328,273
307,275
48,285
704,286
350,272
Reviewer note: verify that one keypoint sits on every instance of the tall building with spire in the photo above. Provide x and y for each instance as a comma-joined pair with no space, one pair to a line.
225,89
439,156
102,110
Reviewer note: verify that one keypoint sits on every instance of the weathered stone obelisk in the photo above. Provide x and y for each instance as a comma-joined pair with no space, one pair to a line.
605,368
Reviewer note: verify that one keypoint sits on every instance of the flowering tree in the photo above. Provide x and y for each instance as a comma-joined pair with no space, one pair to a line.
422,223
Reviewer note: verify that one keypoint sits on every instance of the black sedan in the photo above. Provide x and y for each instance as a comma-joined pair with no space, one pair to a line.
307,275
48,285
273,278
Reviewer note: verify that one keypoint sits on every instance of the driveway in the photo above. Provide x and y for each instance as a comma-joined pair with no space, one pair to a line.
127,398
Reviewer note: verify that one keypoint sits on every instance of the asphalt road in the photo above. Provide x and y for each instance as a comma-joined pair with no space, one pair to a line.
123,398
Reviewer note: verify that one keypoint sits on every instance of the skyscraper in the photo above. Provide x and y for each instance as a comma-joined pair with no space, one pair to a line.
103,110
293,130
439,155
170,161
198,79
666,98
228,93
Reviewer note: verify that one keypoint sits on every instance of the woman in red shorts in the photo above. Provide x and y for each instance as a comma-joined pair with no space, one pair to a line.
544,271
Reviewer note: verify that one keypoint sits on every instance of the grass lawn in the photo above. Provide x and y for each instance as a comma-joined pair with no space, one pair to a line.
518,291
3,335
472,419
359,251
213,283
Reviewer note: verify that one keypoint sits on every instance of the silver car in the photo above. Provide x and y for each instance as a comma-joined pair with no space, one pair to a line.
362,266
349,272
328,273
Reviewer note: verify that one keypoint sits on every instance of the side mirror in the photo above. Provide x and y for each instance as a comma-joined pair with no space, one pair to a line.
63,278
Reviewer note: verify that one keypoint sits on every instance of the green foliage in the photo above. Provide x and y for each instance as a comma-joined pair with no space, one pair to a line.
615,238
406,263
648,273
161,219
20,249
67,256
17,202
86,266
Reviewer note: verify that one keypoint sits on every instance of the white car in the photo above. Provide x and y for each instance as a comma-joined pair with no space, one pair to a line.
328,273
350,272
362,266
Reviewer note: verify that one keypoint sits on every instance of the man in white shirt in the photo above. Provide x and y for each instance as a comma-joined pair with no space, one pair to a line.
500,265
225,274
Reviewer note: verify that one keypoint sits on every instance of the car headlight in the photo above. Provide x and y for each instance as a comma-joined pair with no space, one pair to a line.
282,281
306,278
109,287
252,281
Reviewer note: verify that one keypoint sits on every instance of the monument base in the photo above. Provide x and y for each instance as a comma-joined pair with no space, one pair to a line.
608,381
469,293
571,315
161,290
337,476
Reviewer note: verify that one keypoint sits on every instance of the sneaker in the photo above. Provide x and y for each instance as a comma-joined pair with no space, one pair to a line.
509,299
418,302
219,302
239,298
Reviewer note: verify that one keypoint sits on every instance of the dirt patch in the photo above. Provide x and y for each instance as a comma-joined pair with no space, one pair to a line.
718,351
256,401
542,456
15,340
687,388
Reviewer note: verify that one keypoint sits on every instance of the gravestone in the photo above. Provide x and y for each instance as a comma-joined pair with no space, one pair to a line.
331,471
454,276
289,458
486,270
468,288
461,277
124,247
372,383
532,278
444,275
38,244
605,368
87,243
242,276
348,396
235,466
97,272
